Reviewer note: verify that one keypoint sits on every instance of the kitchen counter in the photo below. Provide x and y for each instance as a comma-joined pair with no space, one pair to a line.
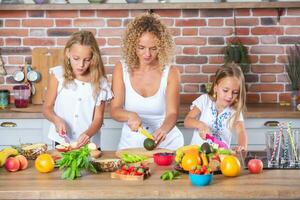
253,111
30,184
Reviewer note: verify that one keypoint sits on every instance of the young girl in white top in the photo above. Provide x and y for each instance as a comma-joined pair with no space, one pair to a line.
219,113
77,92
146,88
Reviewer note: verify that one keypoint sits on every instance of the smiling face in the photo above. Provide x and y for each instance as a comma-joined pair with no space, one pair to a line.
147,49
227,91
80,57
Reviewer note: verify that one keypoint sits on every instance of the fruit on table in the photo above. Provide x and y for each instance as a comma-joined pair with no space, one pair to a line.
32,151
44,163
185,149
23,161
141,170
92,146
255,166
95,153
206,148
230,166
190,161
62,148
5,153
149,144
12,164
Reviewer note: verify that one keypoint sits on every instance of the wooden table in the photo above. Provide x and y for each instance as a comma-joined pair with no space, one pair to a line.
30,184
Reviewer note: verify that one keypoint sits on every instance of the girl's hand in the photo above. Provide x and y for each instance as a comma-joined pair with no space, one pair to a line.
159,136
82,140
60,127
134,122
203,132
239,148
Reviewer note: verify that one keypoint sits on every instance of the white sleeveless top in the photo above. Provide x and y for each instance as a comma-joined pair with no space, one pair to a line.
151,110
75,104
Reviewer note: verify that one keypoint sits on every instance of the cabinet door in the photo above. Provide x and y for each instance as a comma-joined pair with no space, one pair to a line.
186,132
22,131
110,134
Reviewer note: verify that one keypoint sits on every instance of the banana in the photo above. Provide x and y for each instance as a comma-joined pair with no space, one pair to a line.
5,153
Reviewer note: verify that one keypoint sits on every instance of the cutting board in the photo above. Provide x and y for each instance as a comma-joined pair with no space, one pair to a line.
42,60
142,151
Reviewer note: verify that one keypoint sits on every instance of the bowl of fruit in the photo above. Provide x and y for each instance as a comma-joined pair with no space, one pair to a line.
163,159
201,176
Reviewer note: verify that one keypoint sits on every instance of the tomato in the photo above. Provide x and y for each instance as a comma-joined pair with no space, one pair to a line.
255,166
44,163
190,161
230,166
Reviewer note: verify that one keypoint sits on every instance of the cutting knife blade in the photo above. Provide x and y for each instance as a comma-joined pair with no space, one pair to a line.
145,133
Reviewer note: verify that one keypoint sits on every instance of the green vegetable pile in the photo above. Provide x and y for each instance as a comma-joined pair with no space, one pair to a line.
132,158
170,175
74,162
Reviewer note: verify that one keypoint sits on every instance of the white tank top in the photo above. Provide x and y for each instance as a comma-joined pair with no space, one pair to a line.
151,110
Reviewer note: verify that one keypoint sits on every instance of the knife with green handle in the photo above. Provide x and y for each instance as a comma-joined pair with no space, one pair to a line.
145,133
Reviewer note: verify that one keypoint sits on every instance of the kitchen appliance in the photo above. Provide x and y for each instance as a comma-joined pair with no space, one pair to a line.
21,95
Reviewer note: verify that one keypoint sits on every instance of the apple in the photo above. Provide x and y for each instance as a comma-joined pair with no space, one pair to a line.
23,161
12,164
255,166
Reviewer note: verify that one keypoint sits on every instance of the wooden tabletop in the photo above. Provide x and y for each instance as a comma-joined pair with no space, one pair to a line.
30,184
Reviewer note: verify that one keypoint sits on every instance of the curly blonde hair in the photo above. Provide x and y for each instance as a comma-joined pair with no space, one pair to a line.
231,70
96,68
148,22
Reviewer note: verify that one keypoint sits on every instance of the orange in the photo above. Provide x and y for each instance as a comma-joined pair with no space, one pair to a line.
44,163
230,166
190,161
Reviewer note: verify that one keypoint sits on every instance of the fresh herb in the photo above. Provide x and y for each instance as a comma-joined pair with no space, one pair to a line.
170,175
74,162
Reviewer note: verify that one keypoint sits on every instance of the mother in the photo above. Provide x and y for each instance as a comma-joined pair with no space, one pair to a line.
146,88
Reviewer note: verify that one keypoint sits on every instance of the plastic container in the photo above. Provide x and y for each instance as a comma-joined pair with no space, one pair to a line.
200,179
4,94
163,159
21,95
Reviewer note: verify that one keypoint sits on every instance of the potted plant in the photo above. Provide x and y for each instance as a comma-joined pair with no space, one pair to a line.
293,70
236,52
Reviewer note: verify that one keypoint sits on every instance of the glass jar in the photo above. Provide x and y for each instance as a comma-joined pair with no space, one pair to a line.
4,98
21,95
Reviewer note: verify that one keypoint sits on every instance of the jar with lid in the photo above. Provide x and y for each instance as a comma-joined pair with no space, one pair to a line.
4,94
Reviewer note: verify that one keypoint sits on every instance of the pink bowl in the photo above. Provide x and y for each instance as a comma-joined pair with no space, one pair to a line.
163,159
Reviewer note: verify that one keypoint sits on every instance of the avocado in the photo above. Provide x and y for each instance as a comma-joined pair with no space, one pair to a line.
206,148
149,144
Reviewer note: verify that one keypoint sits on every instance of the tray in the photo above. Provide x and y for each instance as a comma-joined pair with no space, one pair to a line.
127,177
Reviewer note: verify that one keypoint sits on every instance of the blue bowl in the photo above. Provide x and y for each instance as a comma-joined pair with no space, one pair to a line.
200,179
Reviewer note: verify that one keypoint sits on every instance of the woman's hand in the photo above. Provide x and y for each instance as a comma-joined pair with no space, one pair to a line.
60,126
159,136
134,122
239,148
82,140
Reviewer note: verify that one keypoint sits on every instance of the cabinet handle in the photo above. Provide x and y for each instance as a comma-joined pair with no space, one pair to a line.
271,123
8,124
180,123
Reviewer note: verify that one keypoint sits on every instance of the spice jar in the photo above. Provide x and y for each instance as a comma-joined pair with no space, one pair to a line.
4,98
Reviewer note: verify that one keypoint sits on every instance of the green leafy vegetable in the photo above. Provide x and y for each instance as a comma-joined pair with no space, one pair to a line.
74,162
170,175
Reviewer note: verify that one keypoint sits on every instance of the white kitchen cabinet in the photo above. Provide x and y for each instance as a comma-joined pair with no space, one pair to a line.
23,131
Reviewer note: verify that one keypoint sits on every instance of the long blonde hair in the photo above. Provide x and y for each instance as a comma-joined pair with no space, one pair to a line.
148,22
96,68
231,70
